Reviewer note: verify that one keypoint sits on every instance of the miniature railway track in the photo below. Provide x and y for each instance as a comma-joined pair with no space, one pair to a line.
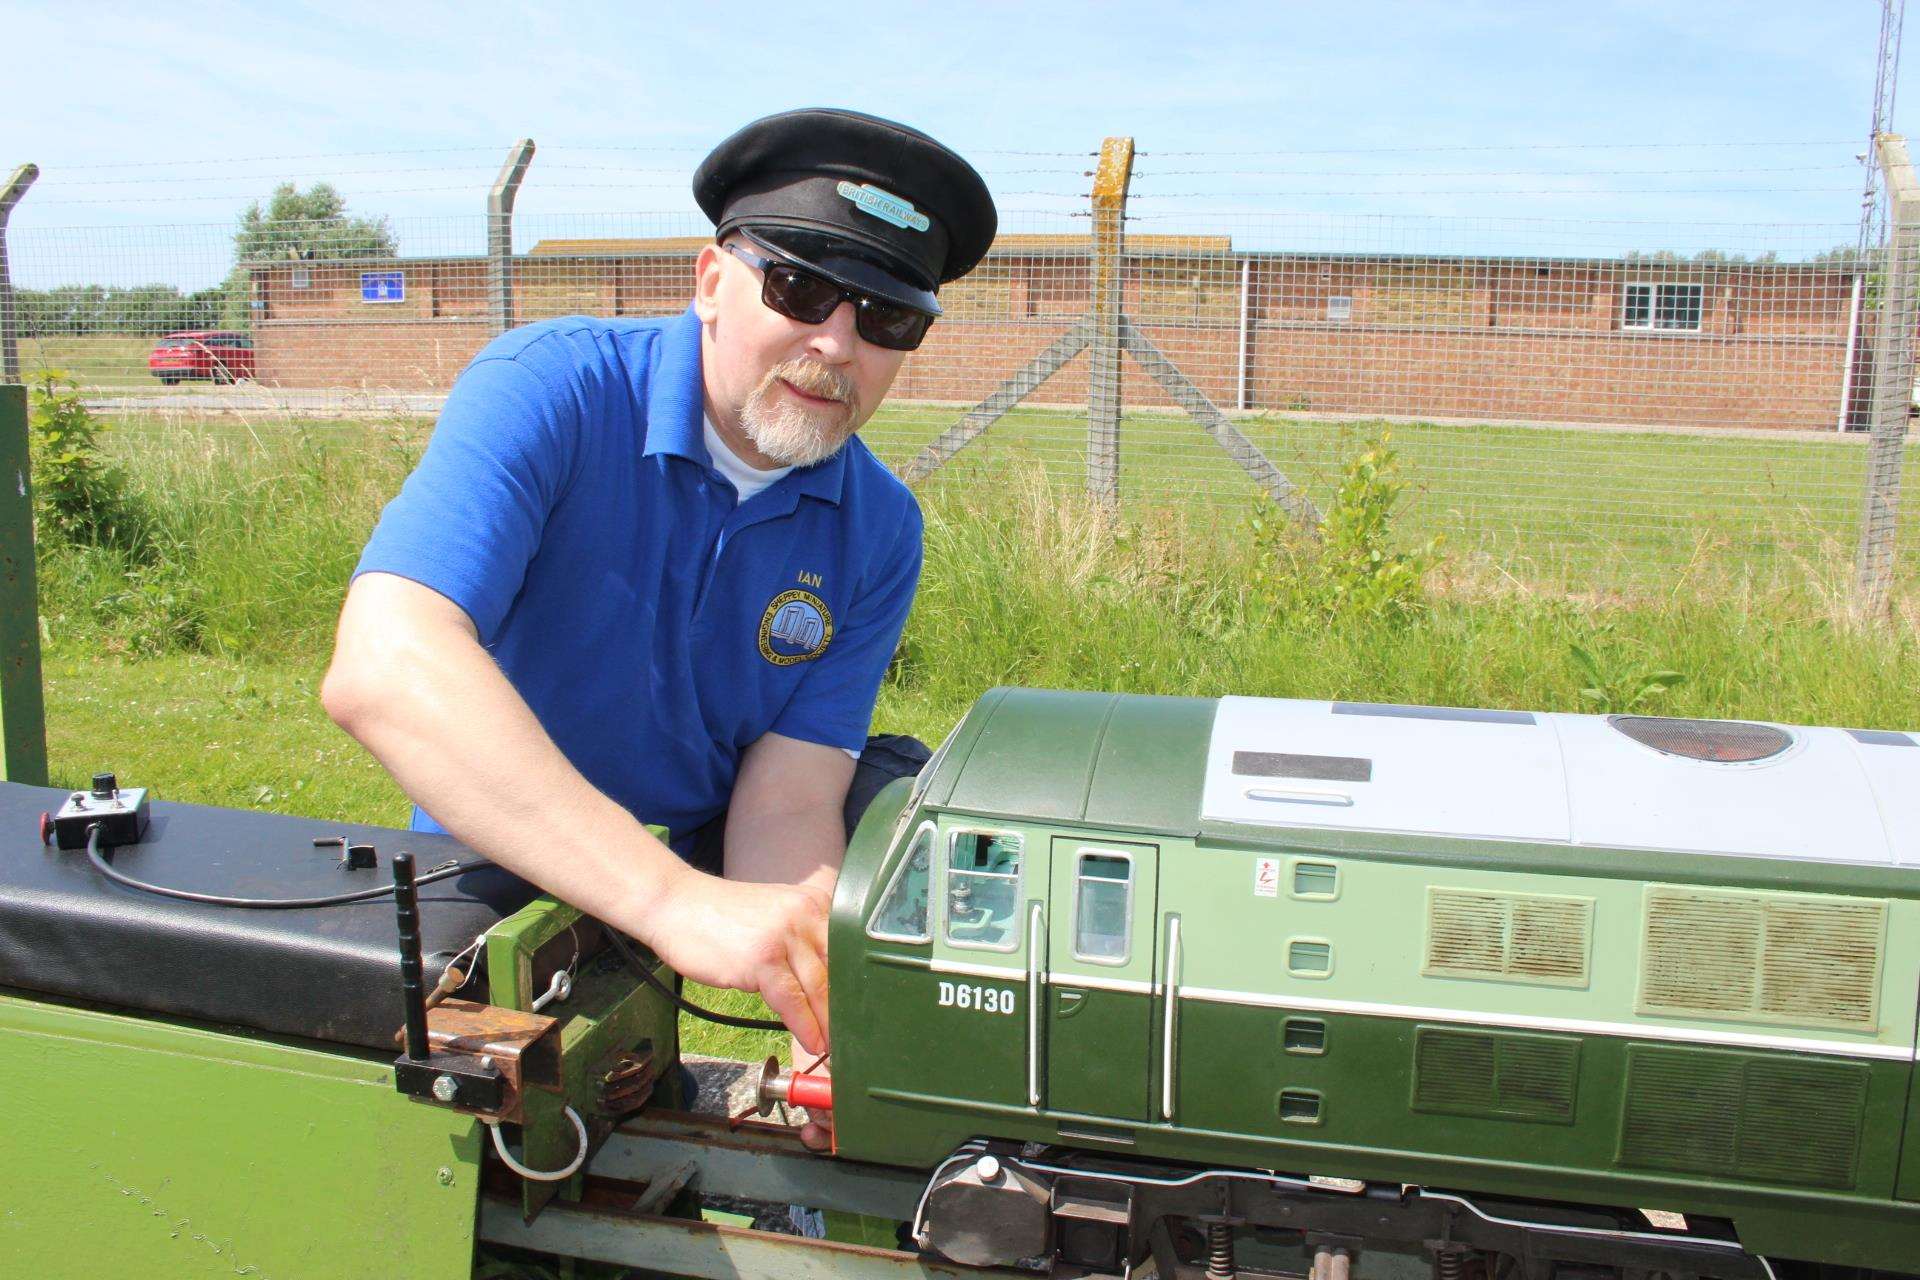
763,1163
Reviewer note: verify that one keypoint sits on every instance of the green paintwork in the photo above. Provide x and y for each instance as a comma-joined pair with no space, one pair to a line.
607,1014
143,1147
1805,1155
1136,762
1098,1041
23,724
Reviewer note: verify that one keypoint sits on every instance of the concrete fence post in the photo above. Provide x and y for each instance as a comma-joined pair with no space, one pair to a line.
9,312
1893,358
1110,184
23,720
500,234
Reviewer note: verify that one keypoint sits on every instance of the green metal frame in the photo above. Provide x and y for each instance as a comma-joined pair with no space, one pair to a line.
23,721
149,1147
608,1013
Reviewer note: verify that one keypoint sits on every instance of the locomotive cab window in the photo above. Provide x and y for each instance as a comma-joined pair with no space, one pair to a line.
1102,907
983,890
902,913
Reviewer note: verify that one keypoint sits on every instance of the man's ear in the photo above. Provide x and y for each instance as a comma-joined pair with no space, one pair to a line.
706,282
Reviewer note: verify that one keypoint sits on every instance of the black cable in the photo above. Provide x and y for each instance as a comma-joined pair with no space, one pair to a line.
724,1019
438,873
101,864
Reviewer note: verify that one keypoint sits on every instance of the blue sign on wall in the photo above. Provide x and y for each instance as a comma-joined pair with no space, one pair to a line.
383,286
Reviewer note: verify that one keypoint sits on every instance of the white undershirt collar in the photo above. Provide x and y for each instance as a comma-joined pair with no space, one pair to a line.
747,480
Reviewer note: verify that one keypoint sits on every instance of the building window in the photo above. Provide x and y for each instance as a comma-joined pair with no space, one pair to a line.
1103,908
983,890
1340,307
1672,307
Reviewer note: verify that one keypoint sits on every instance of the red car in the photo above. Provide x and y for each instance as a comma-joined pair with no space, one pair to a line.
215,354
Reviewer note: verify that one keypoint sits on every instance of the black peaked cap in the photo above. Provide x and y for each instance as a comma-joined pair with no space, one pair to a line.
876,204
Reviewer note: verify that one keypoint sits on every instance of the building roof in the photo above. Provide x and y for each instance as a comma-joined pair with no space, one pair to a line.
653,246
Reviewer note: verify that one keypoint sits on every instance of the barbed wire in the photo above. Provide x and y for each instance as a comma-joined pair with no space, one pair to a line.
1589,192
1850,166
1509,146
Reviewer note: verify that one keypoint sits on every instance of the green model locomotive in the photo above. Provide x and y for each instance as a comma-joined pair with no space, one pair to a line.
1114,962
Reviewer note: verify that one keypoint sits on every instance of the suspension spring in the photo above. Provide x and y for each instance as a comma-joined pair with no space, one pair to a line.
1449,1264
1220,1264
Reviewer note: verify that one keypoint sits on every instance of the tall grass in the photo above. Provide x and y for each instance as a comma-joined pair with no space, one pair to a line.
254,530
195,670
257,527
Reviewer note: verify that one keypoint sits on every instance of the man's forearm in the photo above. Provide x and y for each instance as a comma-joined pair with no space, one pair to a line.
411,682
785,824
804,848
462,743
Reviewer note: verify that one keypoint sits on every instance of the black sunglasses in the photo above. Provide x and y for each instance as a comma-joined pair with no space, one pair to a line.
800,294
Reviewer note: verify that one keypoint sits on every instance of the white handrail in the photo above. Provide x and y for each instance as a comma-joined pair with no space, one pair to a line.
1166,1033
1035,916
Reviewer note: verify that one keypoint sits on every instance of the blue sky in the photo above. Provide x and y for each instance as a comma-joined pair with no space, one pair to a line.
1480,127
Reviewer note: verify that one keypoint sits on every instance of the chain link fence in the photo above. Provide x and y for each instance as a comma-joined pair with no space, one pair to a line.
1582,404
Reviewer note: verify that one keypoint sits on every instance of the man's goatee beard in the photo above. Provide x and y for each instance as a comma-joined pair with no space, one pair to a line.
791,432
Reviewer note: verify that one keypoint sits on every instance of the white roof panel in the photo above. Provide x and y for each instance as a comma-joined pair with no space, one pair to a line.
1497,775
1831,795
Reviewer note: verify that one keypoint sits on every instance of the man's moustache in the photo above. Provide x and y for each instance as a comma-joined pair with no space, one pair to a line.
816,380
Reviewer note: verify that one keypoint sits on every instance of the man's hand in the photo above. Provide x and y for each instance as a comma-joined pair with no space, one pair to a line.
785,833
769,938
411,681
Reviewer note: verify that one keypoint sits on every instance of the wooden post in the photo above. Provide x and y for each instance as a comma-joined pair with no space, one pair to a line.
1893,363
1110,184
23,724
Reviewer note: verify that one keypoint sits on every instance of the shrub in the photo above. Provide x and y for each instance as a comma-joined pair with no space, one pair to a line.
1350,569
79,497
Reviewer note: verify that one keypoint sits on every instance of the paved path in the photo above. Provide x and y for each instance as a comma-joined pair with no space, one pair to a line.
247,398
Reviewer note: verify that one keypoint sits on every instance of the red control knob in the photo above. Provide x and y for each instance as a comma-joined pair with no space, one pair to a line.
812,1092
779,1085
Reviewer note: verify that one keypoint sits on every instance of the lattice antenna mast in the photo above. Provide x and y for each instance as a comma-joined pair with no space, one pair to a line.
1886,82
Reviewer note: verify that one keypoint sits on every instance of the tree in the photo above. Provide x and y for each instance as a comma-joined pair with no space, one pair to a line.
310,224
93,308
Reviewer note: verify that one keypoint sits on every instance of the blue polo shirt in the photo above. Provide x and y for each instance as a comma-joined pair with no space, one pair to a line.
655,626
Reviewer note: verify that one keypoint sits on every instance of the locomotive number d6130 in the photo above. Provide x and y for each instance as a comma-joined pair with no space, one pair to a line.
966,995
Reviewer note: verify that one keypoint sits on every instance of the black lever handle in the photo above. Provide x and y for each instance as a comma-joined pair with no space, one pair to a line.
406,904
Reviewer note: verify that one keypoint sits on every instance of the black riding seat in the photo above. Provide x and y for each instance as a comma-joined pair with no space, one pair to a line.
323,973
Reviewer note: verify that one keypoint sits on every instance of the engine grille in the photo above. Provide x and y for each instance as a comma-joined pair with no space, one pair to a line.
1721,741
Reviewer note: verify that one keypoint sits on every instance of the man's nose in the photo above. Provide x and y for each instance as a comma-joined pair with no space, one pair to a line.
833,338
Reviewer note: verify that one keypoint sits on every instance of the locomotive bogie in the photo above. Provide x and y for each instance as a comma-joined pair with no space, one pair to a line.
1151,974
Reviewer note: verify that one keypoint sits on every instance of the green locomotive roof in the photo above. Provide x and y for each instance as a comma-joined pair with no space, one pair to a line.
1126,761
1779,806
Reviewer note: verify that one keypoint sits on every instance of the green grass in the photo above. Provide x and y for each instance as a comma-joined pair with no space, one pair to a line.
195,673
116,361
1564,508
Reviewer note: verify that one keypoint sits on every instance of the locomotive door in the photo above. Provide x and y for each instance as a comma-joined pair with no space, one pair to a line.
1100,964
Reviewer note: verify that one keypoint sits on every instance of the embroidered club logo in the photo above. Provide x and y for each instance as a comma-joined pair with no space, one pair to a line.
796,627
884,205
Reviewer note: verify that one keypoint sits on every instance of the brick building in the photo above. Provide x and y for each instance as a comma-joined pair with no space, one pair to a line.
1637,341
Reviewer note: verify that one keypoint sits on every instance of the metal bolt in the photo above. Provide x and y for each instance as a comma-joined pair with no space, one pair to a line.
486,1061
445,1176
988,1167
445,1088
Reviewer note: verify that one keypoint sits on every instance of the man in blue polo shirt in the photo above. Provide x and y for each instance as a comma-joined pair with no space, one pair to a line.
645,573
